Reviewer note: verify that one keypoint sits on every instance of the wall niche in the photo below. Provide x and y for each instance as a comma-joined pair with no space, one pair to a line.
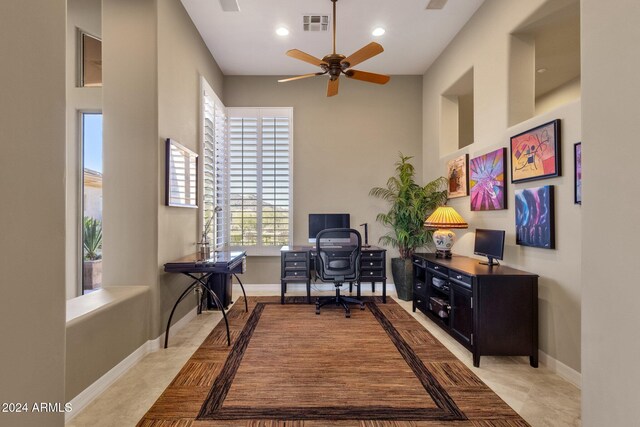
457,116
544,61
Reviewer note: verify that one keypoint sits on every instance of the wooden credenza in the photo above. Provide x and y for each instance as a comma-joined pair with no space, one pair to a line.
490,310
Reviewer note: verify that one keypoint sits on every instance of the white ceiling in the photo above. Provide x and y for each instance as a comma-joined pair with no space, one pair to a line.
245,42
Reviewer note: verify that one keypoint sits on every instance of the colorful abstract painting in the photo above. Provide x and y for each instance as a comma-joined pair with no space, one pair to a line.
486,181
577,159
535,153
458,177
535,217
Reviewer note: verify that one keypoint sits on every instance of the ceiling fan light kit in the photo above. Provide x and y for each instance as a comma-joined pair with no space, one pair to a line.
335,64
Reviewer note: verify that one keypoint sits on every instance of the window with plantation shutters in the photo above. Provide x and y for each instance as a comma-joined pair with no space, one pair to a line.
215,169
260,141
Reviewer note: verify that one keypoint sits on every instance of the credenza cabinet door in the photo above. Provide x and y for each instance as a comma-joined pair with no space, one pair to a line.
461,313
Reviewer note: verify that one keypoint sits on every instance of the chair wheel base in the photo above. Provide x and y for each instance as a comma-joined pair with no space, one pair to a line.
317,311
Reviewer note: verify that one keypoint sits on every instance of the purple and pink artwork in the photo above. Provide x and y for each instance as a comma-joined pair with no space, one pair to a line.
486,179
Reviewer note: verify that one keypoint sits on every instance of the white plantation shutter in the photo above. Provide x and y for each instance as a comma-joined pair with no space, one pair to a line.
275,181
243,180
260,151
214,170
222,177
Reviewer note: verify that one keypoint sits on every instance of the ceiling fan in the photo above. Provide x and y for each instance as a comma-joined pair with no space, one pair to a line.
335,64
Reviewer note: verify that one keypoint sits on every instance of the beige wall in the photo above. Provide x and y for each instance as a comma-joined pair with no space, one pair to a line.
484,44
182,59
343,146
87,16
32,212
610,93
153,58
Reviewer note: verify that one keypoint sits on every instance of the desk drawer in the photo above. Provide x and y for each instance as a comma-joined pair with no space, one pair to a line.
372,255
295,265
295,256
420,289
437,268
371,264
371,275
420,302
295,274
459,278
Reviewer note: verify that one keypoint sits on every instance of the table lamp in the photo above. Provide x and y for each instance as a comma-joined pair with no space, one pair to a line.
444,219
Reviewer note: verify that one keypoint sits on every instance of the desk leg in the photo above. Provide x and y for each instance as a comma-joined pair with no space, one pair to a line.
246,304
384,291
282,290
309,291
184,294
224,315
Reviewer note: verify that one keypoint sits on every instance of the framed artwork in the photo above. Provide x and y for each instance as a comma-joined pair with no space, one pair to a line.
535,225
457,172
577,173
487,181
535,154
181,176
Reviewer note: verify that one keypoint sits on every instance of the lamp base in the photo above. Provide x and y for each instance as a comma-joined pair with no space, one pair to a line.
443,253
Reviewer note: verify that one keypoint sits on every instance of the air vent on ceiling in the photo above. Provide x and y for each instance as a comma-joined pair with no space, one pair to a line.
230,5
315,22
436,4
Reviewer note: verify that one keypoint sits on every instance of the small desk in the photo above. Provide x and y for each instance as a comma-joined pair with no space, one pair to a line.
223,263
298,262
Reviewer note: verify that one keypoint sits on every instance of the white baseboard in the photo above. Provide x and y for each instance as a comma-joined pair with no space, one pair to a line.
87,396
564,371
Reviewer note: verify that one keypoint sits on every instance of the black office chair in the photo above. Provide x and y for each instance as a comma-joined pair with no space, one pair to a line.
338,260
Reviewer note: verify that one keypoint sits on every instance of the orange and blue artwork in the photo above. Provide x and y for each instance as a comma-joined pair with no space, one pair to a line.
535,217
535,153
486,179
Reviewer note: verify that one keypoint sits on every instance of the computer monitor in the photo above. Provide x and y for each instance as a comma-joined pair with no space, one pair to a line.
319,222
489,243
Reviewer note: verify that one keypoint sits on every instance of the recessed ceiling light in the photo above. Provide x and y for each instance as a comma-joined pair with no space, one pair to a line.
282,31
541,70
377,32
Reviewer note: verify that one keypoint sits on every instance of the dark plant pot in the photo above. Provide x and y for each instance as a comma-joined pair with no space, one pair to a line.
402,271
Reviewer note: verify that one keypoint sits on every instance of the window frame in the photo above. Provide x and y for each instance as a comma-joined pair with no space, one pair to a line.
260,113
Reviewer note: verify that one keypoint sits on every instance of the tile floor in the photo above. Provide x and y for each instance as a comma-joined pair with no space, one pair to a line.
538,395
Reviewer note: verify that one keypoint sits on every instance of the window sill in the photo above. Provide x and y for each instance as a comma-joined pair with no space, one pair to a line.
254,251
84,305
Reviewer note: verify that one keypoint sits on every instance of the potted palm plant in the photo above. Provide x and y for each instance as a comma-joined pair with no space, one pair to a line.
410,204
92,248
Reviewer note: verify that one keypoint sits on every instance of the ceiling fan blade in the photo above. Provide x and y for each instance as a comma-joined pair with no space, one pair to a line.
298,54
304,76
367,77
332,87
369,51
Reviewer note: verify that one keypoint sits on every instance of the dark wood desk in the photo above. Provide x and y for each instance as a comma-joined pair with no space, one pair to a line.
490,310
222,265
297,263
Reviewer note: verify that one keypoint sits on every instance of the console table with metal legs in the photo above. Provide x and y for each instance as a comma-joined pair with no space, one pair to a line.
221,263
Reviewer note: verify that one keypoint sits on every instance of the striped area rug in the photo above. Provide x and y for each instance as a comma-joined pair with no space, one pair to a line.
288,367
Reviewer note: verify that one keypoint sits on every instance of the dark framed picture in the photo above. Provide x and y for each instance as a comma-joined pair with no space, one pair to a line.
457,172
535,154
487,182
181,176
535,223
577,173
